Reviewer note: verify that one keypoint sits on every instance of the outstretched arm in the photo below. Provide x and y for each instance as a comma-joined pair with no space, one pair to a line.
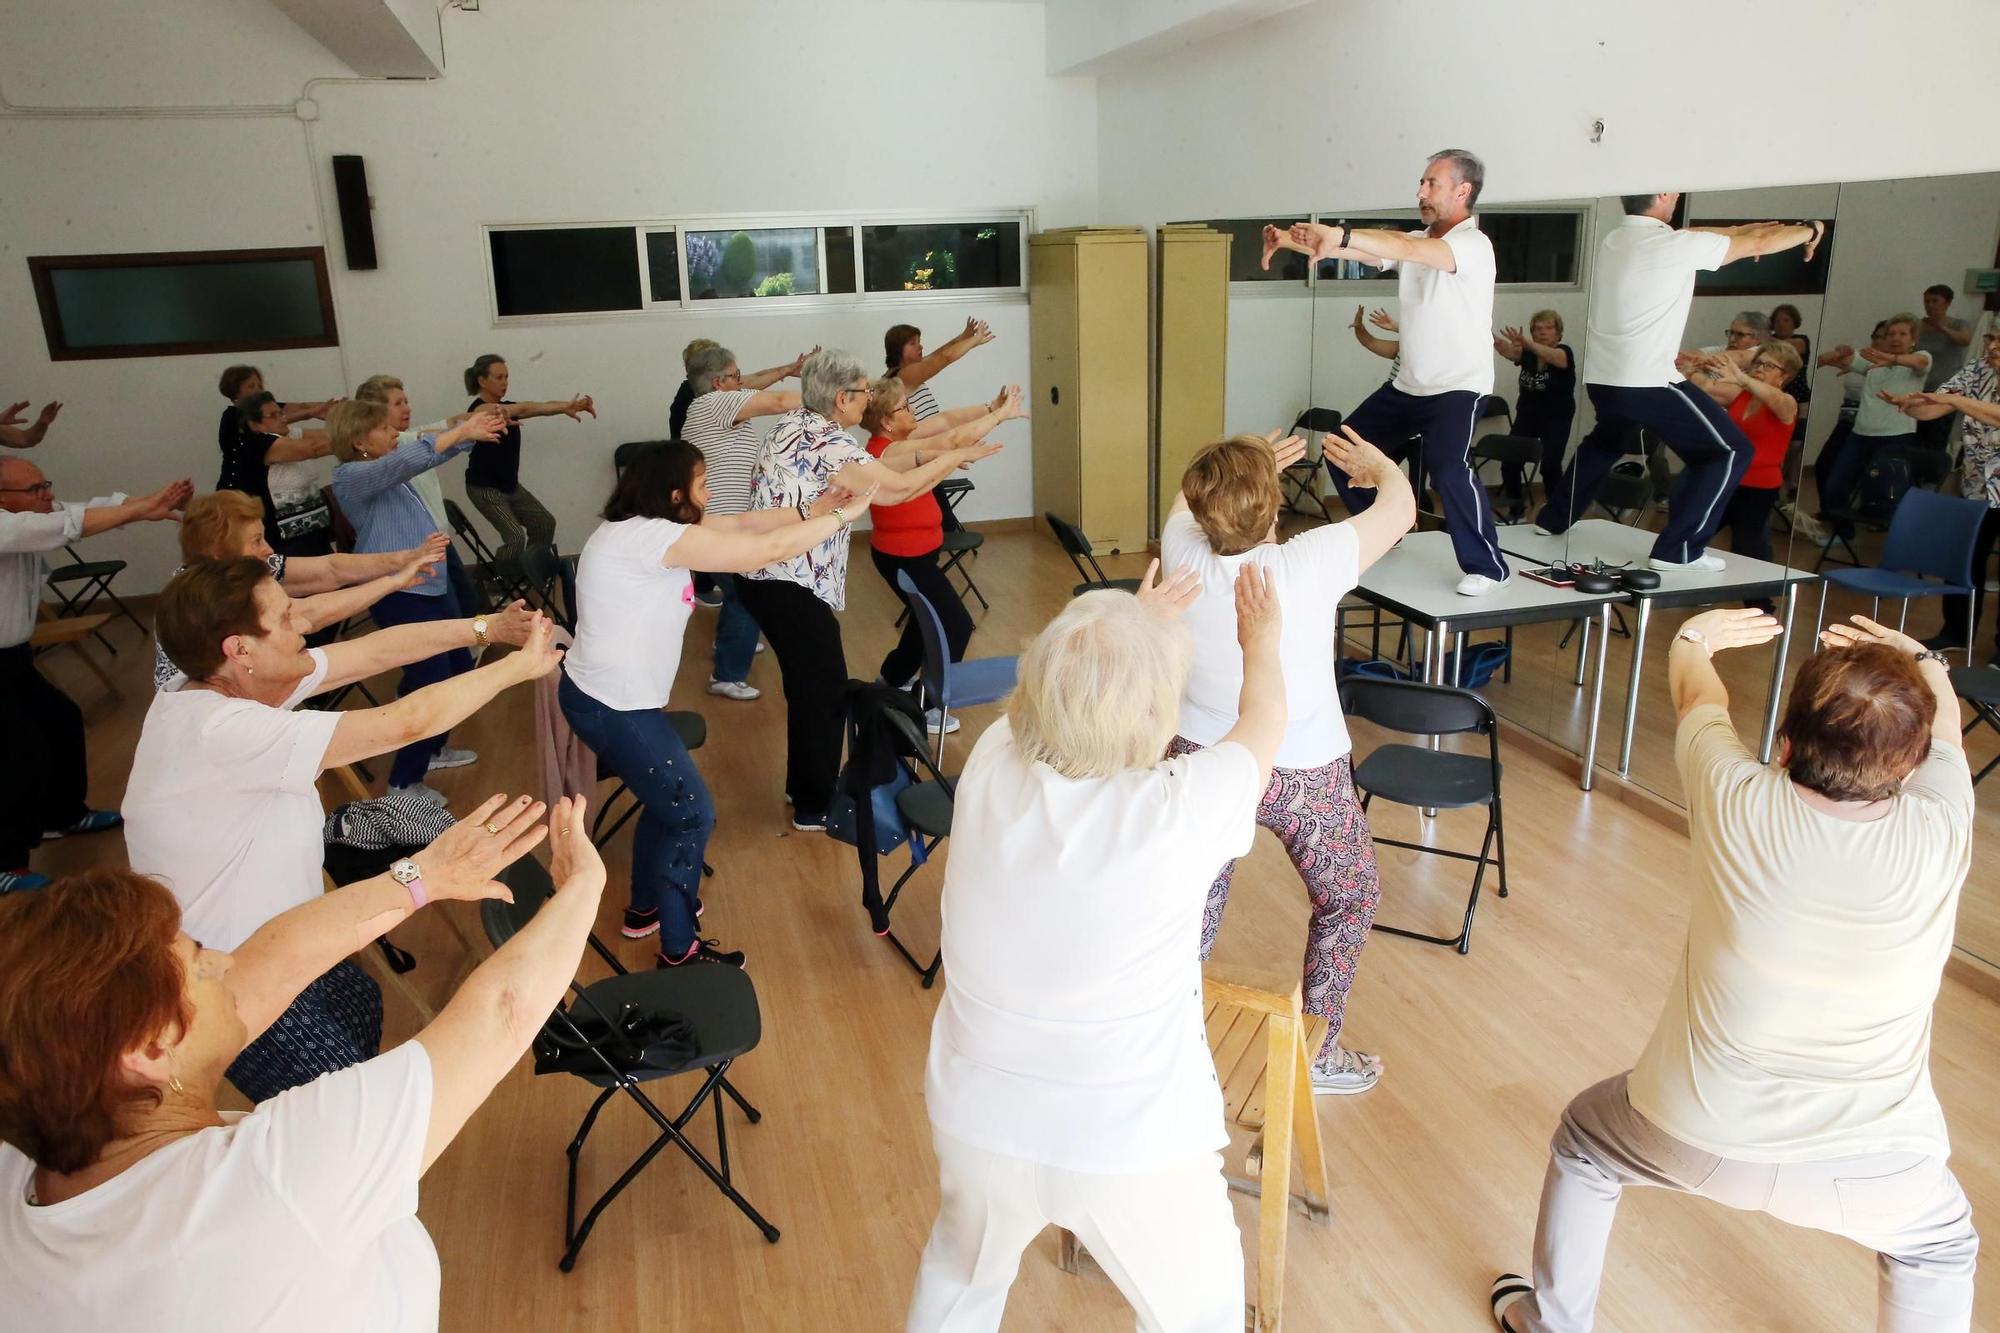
299,448
1691,676
920,447
16,436
976,334
722,547
764,379
573,408
1753,240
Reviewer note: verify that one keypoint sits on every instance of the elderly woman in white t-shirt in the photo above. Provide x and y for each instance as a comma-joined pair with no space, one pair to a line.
793,600
123,1188
222,806
1069,1079
634,594
1225,520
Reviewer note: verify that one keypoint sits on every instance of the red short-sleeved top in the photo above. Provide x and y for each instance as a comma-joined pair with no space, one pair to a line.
1769,439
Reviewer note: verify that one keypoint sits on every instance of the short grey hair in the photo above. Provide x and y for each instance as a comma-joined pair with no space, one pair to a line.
1759,323
1099,690
1466,166
706,366
824,375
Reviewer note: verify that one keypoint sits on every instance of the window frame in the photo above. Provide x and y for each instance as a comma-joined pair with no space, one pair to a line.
42,267
650,306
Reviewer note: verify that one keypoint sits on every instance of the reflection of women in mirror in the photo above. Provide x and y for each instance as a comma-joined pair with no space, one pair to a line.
1445,301
1785,324
903,349
1890,367
1764,411
1225,519
493,477
1387,348
1640,294
1545,402
1973,393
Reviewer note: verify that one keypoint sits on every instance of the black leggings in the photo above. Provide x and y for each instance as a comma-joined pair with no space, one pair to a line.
907,657
43,779
805,638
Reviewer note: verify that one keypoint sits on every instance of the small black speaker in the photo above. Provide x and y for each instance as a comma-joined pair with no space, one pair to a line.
357,229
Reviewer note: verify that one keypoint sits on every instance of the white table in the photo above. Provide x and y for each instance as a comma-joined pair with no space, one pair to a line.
1740,579
1418,582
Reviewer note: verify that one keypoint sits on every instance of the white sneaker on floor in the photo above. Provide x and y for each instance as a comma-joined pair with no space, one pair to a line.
423,789
1477,585
450,758
1352,1072
933,719
1701,564
734,689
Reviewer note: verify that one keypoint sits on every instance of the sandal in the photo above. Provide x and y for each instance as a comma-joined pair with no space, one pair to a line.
1350,1072
1509,1290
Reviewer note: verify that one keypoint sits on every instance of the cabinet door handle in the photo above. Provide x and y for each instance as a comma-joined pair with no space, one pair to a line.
1055,395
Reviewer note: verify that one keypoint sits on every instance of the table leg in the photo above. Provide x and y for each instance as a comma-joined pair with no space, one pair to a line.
1778,677
1644,617
1458,657
1582,651
1597,694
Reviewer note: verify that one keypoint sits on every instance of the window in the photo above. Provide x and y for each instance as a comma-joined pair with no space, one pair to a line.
1538,246
766,261
1784,274
1246,249
940,256
175,304
564,270
840,260
1353,270
663,269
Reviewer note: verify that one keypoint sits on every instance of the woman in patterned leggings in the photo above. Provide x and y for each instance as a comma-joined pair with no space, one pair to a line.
1226,517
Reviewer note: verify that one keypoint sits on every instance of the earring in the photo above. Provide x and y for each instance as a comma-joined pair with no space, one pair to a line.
174,1082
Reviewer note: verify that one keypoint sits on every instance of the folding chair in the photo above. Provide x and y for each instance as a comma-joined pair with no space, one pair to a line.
549,585
1429,779
1928,553
503,582
1523,451
1980,687
1626,494
79,584
1926,468
949,492
922,805
1300,481
625,1011
949,684
1077,547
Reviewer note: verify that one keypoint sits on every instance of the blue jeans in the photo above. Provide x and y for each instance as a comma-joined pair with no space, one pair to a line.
409,608
676,815
735,633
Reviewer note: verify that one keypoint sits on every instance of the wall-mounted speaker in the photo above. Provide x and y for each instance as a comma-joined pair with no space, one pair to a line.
357,228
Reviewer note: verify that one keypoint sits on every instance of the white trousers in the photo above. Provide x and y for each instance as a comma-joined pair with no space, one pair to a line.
1167,1238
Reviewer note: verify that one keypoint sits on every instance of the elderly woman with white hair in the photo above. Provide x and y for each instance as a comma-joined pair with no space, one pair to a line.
794,600
1069,1079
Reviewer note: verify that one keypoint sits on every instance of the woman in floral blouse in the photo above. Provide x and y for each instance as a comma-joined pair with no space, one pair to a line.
793,601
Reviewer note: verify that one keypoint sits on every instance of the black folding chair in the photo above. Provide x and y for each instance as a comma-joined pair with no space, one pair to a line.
1300,481
1980,687
1523,451
1077,547
923,804
693,731
550,586
1625,493
79,584
1430,779
501,582
623,1011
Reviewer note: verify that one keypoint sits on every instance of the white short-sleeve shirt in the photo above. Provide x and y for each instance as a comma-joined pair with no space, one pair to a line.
300,1215
729,447
1447,318
1070,1032
1310,574
632,613
1640,295
222,808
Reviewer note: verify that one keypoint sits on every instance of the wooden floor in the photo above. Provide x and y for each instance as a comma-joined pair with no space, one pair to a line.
1434,1174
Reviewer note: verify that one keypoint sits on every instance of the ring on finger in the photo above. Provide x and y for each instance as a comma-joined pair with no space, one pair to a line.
491,827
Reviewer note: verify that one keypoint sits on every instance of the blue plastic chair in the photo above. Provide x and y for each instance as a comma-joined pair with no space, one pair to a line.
1928,553
951,684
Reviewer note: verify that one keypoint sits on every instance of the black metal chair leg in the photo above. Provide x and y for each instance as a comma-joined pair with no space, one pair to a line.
750,1113
1500,844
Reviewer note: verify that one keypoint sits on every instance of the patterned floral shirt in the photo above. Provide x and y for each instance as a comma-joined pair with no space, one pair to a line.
1980,467
800,456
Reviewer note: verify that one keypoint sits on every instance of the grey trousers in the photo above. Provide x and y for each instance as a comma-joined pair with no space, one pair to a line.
1907,1207
519,518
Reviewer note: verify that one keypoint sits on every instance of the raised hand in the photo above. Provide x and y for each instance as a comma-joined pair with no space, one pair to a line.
1734,627
1287,451
1383,320
11,414
1258,620
1365,465
978,331
1837,356
421,560
574,864
538,655
850,504
167,502
972,453
434,546
486,424
1819,234
1274,241
798,365
512,624
1863,630
461,862
1167,598
1008,403
578,405
1359,327
46,417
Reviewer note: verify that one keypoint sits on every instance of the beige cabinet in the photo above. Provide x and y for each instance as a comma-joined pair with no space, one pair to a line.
1088,390
1194,352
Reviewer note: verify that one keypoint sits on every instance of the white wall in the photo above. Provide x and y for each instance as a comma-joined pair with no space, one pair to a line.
589,110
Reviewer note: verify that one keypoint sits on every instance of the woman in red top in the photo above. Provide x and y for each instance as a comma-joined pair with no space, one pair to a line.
1756,398
908,536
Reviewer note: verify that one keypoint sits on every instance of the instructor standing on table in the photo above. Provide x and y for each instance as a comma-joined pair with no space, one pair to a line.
1445,285
1640,293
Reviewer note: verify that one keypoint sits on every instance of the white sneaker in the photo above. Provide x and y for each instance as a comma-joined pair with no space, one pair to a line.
1477,585
932,720
1541,531
450,758
734,689
422,789
1701,564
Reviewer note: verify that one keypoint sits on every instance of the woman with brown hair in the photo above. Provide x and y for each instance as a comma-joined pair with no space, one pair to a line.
903,350
124,1187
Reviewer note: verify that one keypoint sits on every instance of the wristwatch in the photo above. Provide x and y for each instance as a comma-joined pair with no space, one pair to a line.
1697,638
405,873
479,631
1932,655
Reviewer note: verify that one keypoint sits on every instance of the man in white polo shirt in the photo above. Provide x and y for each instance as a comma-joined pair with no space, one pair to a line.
1445,287
1640,293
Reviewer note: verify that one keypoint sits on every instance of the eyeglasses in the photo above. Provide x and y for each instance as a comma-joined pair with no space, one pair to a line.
39,488
862,389
1765,363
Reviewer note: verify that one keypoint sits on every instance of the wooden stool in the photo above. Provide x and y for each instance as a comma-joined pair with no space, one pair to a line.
1267,1100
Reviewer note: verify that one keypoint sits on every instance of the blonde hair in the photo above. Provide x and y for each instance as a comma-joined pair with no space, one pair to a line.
698,345
1099,689
885,395
1901,317
348,423
1546,317
1231,487
1781,351
210,525
376,388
